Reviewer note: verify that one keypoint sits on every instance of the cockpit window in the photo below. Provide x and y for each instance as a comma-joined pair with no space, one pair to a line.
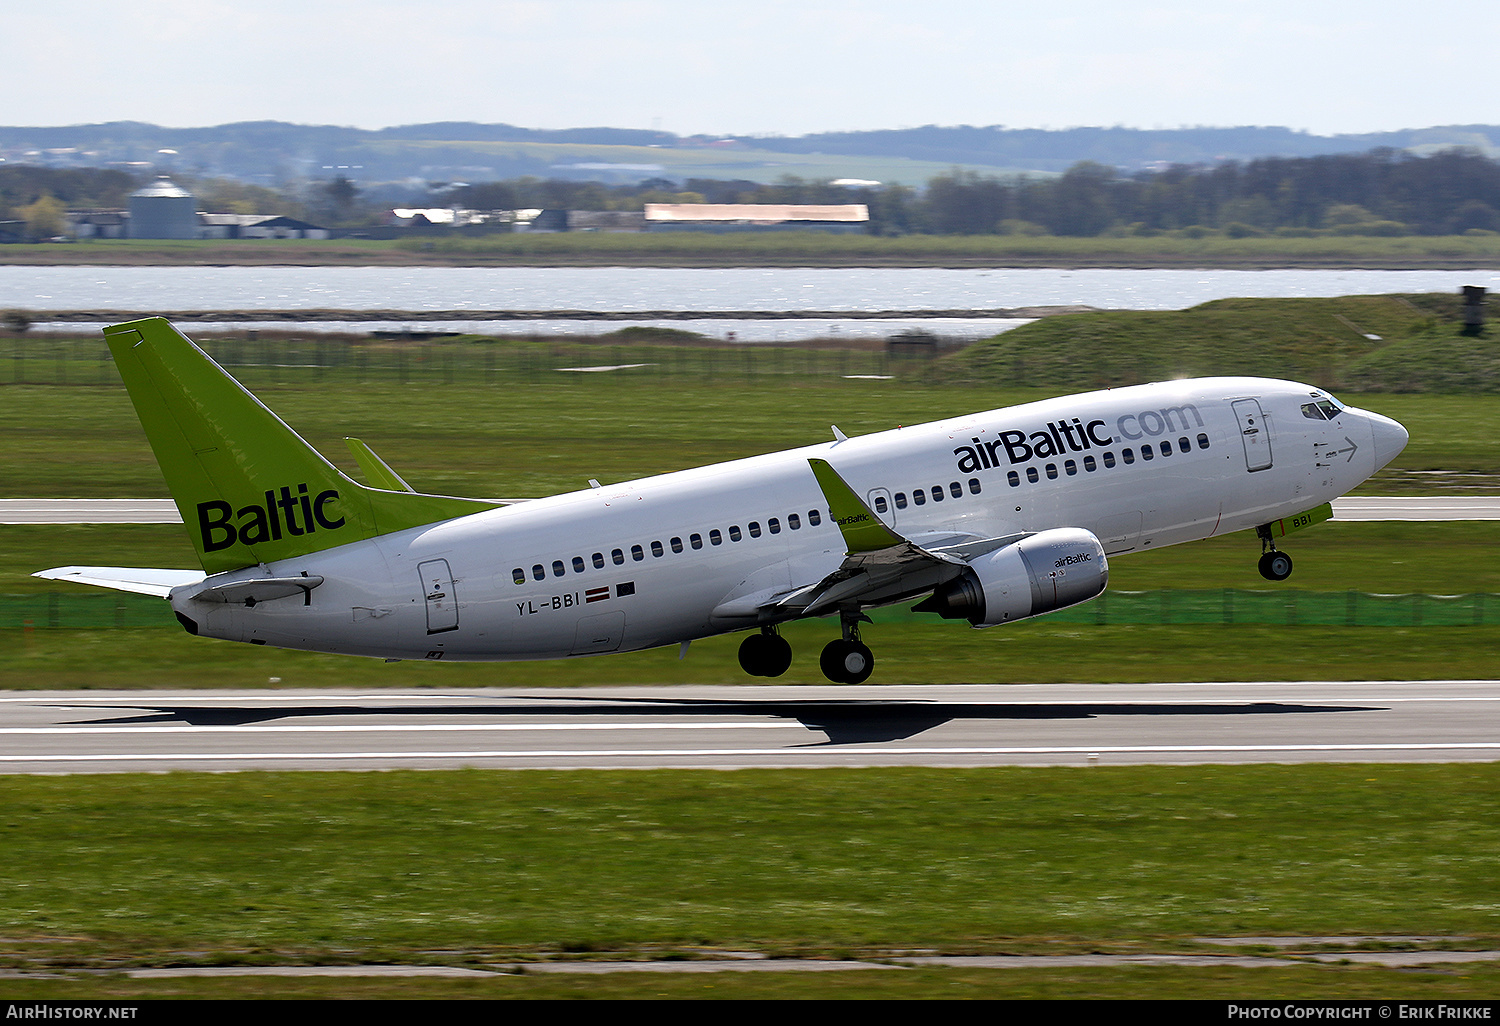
1323,409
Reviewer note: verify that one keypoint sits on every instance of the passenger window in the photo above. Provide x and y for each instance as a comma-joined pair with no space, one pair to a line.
900,500
755,528
794,521
1183,445
1089,464
617,556
518,575
1166,448
1148,453
1014,479
1070,468
557,568
880,504
734,532
1109,459
636,553
676,544
578,564
538,572
1128,455
937,493
1052,472
814,518
656,549
774,525
919,497
715,538
1032,475
973,486
955,489
598,561
1202,441
695,540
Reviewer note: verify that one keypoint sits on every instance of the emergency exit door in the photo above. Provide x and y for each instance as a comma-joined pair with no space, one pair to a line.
1254,432
437,589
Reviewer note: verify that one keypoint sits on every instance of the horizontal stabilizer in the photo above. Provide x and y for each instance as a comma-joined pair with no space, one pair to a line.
140,580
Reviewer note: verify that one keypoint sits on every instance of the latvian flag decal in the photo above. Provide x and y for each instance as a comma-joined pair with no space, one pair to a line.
596,595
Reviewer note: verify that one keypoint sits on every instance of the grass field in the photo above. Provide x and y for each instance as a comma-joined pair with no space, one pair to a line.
481,868
478,440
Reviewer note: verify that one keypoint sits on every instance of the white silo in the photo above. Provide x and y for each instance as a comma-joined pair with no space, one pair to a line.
162,210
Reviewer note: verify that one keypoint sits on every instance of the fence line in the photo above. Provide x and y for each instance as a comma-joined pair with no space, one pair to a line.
259,362
1167,606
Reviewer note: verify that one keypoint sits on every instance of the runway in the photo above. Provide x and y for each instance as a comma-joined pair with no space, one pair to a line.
753,726
163,511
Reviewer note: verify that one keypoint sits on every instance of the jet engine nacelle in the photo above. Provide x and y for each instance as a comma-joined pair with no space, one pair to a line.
1050,570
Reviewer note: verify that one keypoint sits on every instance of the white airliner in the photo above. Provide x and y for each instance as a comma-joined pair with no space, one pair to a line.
991,518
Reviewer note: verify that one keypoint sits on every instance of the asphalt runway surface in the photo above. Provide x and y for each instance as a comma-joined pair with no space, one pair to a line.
752,726
162,511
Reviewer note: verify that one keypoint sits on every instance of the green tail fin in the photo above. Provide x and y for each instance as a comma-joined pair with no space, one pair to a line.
250,490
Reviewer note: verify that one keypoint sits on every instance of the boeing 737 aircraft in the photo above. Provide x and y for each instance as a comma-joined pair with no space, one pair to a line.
989,518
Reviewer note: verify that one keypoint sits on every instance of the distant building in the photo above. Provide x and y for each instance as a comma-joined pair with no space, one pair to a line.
98,224
559,220
740,217
258,226
162,210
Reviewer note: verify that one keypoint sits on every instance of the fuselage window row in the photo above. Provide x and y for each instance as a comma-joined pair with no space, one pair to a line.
1070,467
638,554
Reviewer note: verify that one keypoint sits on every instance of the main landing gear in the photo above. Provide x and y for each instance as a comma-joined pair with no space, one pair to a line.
844,661
847,660
766,654
1274,564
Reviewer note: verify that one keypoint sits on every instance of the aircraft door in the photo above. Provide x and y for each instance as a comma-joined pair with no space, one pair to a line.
1254,432
437,589
880,502
602,633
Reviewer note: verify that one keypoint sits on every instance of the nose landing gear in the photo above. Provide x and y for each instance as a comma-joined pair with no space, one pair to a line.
1275,565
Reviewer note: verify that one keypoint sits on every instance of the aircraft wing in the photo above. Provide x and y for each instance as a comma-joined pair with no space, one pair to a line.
881,565
140,580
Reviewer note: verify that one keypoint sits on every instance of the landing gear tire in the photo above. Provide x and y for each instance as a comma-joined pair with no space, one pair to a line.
765,655
847,662
1275,566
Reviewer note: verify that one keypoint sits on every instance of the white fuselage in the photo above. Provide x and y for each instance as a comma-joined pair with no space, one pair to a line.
690,554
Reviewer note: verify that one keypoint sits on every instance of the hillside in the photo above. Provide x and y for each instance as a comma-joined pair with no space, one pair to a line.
1364,343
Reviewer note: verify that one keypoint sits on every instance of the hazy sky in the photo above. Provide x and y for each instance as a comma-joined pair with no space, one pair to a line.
774,66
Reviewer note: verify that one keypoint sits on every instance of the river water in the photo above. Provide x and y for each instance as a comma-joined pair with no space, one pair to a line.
690,289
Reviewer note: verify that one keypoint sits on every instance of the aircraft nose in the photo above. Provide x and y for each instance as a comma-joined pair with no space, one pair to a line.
1390,438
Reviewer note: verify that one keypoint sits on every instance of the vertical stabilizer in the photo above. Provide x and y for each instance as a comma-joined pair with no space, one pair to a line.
250,490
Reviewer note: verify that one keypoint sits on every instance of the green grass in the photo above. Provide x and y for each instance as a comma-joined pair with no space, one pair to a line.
1459,982
81,441
477,866
1417,346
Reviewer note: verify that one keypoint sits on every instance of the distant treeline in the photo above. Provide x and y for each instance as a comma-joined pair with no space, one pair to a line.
1383,192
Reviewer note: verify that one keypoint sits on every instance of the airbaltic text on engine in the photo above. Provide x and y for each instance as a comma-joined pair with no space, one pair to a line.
1062,436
